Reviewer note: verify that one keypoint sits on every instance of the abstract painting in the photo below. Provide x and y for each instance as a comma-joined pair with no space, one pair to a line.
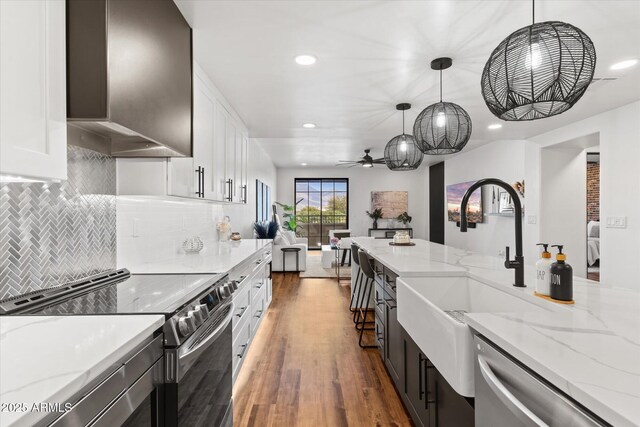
392,203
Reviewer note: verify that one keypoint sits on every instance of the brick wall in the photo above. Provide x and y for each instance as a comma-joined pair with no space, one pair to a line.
593,191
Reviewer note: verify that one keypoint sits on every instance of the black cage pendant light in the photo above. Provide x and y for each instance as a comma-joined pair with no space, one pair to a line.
402,152
538,71
443,127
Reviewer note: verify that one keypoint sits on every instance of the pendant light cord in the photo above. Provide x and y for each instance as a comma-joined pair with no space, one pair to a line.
533,11
440,84
403,122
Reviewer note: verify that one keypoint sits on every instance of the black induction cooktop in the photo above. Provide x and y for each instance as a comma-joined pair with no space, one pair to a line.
119,293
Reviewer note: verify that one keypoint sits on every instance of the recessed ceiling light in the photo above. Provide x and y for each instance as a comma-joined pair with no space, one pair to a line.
303,164
309,125
306,59
494,126
624,64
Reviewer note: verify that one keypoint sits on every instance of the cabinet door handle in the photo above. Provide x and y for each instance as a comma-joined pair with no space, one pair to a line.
244,194
203,186
258,313
390,303
229,183
243,309
420,378
244,349
261,285
199,192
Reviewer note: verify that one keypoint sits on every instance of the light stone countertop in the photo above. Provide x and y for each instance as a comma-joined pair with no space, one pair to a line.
216,257
590,351
48,359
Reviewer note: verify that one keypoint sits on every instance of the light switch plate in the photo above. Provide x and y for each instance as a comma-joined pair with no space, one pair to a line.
616,222
532,219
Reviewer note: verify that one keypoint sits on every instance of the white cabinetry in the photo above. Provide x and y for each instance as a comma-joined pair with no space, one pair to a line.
230,159
33,111
215,171
242,161
188,176
251,299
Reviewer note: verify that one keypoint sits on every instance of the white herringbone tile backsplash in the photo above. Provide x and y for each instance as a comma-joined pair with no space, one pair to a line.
52,233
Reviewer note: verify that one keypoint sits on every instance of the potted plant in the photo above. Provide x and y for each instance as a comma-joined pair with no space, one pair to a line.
375,215
289,216
404,218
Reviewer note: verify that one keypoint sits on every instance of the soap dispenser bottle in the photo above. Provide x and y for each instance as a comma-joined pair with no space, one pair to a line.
543,267
561,278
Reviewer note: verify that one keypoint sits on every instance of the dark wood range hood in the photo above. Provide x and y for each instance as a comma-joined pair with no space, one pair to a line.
129,76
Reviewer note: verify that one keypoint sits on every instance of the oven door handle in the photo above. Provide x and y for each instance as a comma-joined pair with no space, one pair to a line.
188,357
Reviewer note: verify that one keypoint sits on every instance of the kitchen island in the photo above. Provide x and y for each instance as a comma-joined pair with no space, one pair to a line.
589,351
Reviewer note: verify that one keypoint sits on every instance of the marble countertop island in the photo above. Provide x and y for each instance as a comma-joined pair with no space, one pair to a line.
590,351
48,359
215,257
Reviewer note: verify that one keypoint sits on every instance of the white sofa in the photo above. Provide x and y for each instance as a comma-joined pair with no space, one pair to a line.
277,256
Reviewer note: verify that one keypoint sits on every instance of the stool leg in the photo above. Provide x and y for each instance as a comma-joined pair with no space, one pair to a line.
357,307
284,258
362,330
362,312
353,292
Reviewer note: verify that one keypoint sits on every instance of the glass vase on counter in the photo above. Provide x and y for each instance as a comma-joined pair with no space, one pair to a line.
224,229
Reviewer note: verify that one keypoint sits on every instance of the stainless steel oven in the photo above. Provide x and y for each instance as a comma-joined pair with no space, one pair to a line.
198,375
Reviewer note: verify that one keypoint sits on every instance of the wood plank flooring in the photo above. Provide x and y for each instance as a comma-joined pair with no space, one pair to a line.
305,367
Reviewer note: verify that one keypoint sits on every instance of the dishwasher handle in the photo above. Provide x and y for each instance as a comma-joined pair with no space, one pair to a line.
523,413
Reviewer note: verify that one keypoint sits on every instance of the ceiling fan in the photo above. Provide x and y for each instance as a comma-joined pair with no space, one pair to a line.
366,161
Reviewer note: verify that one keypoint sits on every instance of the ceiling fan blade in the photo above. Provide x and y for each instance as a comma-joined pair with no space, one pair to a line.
379,161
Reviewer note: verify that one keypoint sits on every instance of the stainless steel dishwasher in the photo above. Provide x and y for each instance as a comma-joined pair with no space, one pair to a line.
508,394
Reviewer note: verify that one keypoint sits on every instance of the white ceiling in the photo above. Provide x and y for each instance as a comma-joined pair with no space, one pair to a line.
375,54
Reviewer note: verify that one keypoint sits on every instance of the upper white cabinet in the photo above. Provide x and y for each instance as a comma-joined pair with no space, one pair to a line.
33,115
230,162
215,170
243,165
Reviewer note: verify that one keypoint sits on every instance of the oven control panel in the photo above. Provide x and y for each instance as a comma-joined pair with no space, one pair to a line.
187,320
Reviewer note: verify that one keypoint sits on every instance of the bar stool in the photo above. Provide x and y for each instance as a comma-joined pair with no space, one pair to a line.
355,285
364,297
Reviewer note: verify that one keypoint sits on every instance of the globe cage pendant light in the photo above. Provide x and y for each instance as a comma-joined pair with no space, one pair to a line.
401,152
538,71
443,127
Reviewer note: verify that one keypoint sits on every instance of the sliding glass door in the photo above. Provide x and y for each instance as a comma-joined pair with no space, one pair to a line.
323,206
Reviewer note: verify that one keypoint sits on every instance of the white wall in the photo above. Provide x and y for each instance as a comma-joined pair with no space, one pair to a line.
563,203
619,136
362,182
504,160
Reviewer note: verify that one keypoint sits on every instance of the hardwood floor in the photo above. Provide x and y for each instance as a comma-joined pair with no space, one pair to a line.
305,367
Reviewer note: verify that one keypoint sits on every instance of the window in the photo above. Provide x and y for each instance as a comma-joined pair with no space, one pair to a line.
324,206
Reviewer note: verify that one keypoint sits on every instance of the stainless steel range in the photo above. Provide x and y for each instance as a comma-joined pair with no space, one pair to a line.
197,333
